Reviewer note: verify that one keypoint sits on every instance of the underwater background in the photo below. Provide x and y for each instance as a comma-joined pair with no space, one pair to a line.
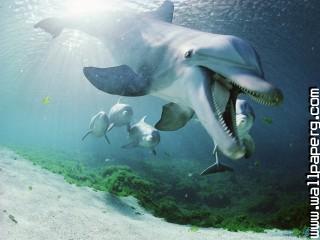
46,105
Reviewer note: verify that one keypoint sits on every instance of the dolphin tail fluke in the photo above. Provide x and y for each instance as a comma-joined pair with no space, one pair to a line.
53,26
86,135
216,168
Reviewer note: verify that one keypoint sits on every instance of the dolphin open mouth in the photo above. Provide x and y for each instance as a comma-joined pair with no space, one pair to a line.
225,92
224,107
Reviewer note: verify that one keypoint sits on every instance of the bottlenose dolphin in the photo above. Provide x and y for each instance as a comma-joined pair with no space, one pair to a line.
143,135
98,126
120,115
197,72
244,121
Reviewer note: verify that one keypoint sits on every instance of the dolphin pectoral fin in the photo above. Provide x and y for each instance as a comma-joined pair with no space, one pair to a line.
249,145
130,145
106,137
128,127
53,26
110,127
121,80
216,168
164,12
174,117
86,135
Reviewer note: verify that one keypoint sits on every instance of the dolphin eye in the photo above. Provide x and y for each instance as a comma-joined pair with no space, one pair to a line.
188,54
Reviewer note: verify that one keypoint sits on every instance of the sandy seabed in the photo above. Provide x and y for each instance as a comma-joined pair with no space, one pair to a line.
37,204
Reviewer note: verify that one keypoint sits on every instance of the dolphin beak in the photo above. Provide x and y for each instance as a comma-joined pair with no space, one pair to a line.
238,64
253,84
247,81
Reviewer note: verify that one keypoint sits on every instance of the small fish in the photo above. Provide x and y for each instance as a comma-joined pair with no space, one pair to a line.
290,145
267,120
108,160
30,188
186,195
257,163
46,100
190,174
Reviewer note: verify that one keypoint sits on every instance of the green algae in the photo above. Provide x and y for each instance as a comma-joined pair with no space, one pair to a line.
228,201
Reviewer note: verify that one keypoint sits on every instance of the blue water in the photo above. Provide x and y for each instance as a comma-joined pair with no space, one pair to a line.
33,66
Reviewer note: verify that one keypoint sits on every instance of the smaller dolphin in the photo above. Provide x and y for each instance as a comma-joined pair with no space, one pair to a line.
120,115
98,125
143,135
244,121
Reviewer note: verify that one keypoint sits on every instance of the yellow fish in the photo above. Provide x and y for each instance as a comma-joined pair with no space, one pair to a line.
46,100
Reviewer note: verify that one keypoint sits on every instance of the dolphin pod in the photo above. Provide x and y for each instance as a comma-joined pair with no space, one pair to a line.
198,73
141,134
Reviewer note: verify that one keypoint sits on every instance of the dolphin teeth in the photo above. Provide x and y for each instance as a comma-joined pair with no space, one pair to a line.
257,96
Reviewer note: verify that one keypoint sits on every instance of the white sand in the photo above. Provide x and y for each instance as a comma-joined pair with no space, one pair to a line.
56,210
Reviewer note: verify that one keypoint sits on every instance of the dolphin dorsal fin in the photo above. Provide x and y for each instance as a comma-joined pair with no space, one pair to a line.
164,12
143,119
119,100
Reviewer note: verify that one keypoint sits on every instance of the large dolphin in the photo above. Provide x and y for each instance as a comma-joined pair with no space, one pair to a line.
197,72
